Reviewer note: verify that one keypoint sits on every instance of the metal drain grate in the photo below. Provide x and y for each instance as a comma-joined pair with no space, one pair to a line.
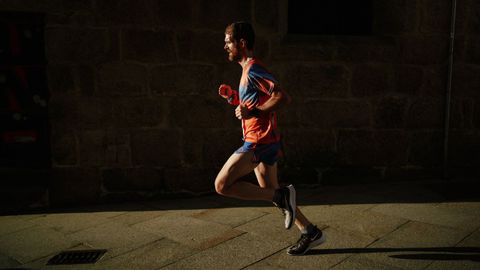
77,256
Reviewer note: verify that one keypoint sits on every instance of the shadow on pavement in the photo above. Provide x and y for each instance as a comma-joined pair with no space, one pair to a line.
430,253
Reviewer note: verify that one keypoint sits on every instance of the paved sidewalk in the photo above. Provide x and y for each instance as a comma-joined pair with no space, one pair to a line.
388,226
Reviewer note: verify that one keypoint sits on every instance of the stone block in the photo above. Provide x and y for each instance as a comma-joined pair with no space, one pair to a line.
334,113
472,50
202,46
198,113
92,147
299,176
60,79
309,148
193,180
63,111
394,17
137,112
425,113
390,112
316,80
371,80
424,50
434,82
119,79
426,148
209,148
266,20
85,78
174,14
464,148
355,147
156,147
63,147
133,179
473,18
94,113
125,13
297,49
118,149
366,49
148,46
216,15
435,16
461,113
466,81
181,80
80,45
408,79
391,147
348,175
71,185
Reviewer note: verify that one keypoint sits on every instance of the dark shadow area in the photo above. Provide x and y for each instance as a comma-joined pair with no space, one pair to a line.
434,191
433,253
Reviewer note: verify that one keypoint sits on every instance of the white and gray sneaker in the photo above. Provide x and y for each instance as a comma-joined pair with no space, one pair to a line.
288,205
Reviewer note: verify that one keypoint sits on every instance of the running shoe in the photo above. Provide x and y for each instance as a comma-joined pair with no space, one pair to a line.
306,242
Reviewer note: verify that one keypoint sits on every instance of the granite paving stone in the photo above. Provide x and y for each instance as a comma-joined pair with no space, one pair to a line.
33,243
336,249
189,231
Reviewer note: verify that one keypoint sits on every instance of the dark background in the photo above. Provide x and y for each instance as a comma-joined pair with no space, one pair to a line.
103,100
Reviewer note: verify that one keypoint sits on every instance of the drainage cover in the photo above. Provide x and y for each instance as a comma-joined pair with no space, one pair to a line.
77,256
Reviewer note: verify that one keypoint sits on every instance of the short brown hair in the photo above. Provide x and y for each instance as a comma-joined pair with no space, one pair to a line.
242,30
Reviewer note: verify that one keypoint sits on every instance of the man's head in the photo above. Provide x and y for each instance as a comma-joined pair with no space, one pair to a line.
239,37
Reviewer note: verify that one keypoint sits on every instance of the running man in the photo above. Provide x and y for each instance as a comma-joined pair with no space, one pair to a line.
256,101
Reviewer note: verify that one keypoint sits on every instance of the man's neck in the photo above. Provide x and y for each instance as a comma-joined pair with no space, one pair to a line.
246,58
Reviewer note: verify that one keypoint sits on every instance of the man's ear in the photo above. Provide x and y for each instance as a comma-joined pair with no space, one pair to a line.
243,43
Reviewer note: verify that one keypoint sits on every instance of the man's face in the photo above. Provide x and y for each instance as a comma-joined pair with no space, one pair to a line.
231,46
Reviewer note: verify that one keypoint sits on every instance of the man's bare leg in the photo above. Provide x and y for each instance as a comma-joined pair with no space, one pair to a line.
267,178
238,165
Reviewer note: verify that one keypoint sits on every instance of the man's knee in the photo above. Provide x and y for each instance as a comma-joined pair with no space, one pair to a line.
221,185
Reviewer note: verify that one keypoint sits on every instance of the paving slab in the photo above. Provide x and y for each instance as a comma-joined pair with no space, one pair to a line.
369,223
271,228
325,214
189,231
11,224
70,222
115,237
41,264
431,213
232,217
335,250
137,216
402,247
467,259
236,253
153,256
7,262
33,243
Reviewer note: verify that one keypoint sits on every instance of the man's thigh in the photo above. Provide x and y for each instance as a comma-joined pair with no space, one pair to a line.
238,165
267,175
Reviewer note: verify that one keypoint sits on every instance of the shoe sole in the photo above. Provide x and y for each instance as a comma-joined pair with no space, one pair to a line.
293,205
315,243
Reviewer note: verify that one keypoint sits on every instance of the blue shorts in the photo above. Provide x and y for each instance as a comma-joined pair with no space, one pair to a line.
266,153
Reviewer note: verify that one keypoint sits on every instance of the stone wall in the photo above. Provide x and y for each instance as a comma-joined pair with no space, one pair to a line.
134,109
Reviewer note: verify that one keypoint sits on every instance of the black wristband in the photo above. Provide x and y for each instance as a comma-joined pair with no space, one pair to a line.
255,112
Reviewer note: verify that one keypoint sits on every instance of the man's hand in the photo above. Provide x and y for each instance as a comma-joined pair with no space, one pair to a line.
242,112
225,91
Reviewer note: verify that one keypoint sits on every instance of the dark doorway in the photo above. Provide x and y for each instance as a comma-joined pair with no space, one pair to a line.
24,129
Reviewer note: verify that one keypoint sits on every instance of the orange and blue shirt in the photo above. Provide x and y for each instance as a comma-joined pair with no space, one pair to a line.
256,87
